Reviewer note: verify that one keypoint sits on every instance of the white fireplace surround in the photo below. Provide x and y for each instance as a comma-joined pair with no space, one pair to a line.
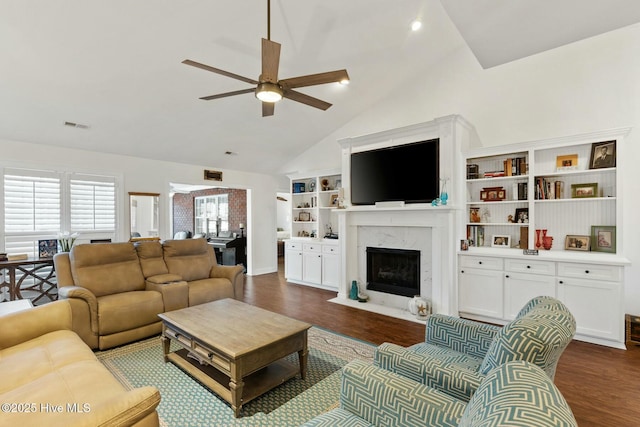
427,229
412,226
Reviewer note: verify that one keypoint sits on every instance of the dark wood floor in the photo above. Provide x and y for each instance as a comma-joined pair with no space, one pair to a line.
601,384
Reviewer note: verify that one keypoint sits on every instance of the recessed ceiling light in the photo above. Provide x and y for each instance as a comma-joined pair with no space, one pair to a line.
416,25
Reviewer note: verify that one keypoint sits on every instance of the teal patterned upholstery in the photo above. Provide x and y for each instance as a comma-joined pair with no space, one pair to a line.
515,394
539,334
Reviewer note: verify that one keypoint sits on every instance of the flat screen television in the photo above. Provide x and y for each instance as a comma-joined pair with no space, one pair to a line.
408,173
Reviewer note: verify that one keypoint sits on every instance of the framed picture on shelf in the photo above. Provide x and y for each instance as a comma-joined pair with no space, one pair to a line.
567,162
492,194
577,243
474,215
579,191
334,200
47,248
603,155
304,216
464,245
500,241
603,238
522,216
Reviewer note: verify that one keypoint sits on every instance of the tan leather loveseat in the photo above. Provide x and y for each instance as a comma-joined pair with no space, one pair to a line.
51,378
117,290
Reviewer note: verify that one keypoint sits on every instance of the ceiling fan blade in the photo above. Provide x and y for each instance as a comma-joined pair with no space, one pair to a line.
270,61
268,108
219,71
305,99
226,94
315,79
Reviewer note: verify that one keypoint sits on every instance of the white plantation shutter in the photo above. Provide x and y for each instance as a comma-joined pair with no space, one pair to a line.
40,204
93,203
32,201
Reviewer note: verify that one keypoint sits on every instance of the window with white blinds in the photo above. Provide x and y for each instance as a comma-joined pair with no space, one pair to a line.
93,204
40,204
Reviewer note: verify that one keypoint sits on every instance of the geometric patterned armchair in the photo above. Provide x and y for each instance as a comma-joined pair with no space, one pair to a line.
458,353
516,394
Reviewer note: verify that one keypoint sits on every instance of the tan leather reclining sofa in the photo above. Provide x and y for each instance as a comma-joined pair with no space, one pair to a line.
117,290
50,377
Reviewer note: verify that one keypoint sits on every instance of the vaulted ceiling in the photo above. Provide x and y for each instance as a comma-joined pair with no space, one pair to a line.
115,66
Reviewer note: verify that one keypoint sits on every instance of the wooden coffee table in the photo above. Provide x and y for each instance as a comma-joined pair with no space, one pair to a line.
235,349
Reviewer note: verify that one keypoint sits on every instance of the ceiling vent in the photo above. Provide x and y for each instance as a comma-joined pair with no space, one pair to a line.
76,125
212,175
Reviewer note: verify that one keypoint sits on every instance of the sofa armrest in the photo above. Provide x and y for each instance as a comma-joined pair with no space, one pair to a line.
125,409
175,294
384,398
28,324
234,273
427,370
85,295
465,336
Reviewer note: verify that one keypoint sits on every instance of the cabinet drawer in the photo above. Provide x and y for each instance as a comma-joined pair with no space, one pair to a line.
590,271
483,262
293,246
312,247
530,266
330,249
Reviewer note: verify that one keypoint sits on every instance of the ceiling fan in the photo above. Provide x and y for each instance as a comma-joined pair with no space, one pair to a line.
268,88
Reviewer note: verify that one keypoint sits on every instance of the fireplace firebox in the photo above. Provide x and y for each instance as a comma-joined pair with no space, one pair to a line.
393,271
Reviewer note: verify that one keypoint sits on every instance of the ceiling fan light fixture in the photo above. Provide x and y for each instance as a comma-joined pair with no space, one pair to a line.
268,92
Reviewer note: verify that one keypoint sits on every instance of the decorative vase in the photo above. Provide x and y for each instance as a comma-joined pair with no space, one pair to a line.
538,240
420,307
547,241
444,196
354,290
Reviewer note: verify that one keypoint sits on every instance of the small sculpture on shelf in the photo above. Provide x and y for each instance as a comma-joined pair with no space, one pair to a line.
485,215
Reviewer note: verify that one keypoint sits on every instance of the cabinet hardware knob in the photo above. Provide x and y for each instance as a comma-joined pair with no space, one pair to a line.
528,266
462,271
561,282
586,271
507,276
479,262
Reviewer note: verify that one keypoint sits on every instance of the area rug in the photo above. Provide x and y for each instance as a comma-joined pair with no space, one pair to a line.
185,402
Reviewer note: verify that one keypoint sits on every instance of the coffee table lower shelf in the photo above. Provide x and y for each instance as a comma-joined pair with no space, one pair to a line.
255,384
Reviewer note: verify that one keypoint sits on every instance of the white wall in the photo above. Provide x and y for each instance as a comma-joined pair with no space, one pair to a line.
587,86
152,176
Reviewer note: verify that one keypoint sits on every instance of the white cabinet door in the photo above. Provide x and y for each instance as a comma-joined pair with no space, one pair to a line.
293,264
596,305
480,292
330,270
312,267
519,288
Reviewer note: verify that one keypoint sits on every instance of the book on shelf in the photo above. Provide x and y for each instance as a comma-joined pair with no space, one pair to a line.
475,235
515,166
548,189
17,257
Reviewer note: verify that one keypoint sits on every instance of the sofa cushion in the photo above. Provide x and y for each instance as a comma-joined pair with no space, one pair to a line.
87,384
191,259
453,358
151,260
128,310
32,359
207,290
106,269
